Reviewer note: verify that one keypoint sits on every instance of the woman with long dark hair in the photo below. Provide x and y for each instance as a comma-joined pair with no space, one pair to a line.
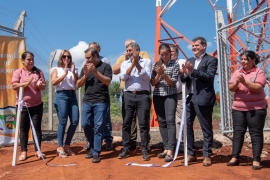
32,80
164,77
249,107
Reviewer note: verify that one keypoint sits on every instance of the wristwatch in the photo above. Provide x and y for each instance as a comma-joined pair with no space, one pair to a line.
138,65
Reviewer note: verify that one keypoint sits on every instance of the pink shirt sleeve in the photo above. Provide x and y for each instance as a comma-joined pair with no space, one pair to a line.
261,78
16,76
233,78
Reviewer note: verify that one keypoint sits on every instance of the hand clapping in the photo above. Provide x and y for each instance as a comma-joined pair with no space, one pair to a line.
160,70
240,79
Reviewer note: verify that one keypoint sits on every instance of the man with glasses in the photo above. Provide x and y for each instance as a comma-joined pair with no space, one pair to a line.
96,76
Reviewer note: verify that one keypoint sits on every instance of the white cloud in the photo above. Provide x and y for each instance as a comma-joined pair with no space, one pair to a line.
77,53
209,44
189,47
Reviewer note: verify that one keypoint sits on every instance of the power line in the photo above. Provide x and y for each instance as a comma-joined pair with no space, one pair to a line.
40,33
9,9
8,15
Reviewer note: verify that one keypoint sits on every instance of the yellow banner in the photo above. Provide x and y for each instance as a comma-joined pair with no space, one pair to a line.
11,49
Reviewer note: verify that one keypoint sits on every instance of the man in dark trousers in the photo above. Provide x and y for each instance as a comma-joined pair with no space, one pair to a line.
199,72
136,73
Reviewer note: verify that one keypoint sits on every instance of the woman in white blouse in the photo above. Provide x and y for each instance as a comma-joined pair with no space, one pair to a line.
64,78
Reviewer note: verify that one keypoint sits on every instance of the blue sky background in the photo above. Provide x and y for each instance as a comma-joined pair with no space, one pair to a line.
57,24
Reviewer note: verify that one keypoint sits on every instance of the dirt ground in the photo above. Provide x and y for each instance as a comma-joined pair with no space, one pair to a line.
112,168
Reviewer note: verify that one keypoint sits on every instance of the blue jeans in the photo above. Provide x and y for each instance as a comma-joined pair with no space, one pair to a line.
93,120
107,133
66,105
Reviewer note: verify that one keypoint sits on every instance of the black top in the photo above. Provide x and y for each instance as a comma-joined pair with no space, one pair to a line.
95,90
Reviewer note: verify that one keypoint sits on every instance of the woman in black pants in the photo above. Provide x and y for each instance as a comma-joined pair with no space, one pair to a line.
32,80
164,77
249,107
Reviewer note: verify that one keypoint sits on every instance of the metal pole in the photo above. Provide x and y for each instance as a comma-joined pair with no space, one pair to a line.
184,97
221,91
50,100
79,98
18,121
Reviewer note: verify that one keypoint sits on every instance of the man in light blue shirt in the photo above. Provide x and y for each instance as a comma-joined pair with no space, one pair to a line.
136,73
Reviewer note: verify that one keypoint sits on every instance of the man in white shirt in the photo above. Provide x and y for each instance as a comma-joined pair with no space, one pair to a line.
136,73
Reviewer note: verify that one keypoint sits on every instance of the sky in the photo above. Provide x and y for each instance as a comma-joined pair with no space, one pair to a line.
56,25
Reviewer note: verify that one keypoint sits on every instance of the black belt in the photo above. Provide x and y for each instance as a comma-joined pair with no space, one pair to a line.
65,91
180,93
138,92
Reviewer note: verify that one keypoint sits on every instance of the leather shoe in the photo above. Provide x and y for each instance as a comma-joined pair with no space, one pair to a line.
256,167
109,146
145,155
123,154
95,159
190,159
233,163
89,155
161,155
207,161
168,158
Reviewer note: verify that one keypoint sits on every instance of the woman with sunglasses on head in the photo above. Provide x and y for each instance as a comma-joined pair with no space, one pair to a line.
248,108
32,80
164,77
64,78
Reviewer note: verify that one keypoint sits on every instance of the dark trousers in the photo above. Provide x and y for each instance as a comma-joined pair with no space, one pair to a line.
253,120
139,103
36,115
204,114
165,107
133,133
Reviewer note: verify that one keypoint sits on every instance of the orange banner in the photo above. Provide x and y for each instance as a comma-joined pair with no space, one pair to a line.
11,49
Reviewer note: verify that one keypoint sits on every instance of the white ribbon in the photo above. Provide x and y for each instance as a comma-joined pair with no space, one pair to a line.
177,145
36,140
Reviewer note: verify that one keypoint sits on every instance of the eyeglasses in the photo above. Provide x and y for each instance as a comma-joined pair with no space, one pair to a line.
64,56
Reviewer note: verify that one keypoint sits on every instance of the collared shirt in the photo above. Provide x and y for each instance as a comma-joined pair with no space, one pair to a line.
244,99
136,81
197,62
179,83
31,94
162,88
122,58
95,90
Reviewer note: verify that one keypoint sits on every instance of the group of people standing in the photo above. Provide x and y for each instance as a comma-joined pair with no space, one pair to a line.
139,79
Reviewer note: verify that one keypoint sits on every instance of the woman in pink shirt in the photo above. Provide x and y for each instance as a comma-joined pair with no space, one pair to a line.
249,107
32,80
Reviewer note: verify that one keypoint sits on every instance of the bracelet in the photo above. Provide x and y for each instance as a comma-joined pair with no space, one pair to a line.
137,65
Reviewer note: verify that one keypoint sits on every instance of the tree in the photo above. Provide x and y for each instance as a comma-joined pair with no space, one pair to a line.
114,89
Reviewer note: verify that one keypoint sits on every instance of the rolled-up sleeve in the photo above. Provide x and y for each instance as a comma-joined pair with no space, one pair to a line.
123,75
145,73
